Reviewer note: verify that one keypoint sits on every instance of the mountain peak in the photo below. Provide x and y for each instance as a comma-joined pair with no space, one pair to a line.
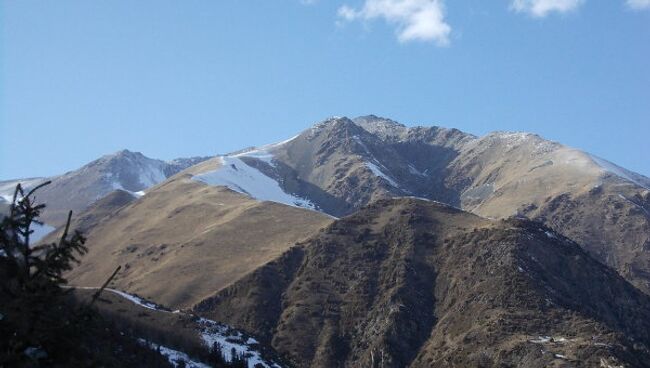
382,127
333,121
376,120
333,126
125,153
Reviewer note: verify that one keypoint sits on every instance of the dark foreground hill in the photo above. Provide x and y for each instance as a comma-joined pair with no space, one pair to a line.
405,282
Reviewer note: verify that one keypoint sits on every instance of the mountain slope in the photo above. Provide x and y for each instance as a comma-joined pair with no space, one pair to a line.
413,283
184,240
508,174
76,190
179,334
340,165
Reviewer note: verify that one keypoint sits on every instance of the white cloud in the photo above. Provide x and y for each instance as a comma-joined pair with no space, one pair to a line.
541,8
638,4
422,20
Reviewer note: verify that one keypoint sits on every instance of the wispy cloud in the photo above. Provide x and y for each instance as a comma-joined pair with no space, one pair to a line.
415,20
638,4
542,8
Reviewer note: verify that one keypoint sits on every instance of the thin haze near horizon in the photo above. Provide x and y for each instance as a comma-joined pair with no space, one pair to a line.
80,79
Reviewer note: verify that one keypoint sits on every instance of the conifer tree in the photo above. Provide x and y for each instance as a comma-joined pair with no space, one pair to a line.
31,280
34,269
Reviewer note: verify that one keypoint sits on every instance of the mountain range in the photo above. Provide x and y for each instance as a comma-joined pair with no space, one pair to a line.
364,242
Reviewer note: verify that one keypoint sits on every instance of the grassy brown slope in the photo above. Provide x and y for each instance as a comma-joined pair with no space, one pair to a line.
503,174
410,283
184,240
97,212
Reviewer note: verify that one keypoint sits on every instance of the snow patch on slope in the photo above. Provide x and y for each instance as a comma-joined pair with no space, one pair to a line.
8,188
264,153
211,332
415,171
137,300
174,357
377,171
117,186
130,297
621,172
229,340
372,166
238,176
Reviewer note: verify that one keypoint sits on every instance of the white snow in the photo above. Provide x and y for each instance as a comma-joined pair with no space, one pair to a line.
560,356
550,234
136,300
278,144
547,339
174,356
238,176
7,188
264,153
117,186
377,171
621,172
130,297
229,340
415,171
541,340
210,332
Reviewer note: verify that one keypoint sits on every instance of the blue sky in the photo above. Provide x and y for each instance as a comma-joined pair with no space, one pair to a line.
79,79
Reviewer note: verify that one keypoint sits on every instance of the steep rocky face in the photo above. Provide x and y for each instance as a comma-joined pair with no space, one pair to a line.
611,221
342,165
76,190
345,161
412,283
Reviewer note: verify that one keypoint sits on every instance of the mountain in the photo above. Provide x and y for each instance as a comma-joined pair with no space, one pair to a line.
183,240
339,165
435,262
413,283
76,190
